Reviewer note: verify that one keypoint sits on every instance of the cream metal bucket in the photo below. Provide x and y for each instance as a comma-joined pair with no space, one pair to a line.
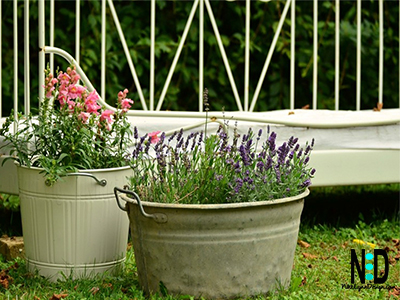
214,250
74,226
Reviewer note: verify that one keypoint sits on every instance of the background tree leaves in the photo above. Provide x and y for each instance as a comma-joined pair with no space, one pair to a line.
171,18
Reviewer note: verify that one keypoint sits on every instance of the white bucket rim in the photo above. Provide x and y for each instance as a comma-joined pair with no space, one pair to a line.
80,171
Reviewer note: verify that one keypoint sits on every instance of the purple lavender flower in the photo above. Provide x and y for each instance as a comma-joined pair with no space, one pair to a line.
219,177
291,154
306,183
282,152
260,165
312,172
259,134
278,175
268,165
307,150
239,184
172,136
237,167
271,142
135,133
244,155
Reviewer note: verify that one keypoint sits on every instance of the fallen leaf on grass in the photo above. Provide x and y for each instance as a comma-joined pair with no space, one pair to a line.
107,285
335,258
345,245
396,242
58,296
4,282
5,279
94,290
392,261
303,281
395,292
303,244
309,256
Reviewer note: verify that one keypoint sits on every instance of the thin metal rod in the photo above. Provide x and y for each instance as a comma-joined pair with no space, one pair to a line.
381,48
269,56
127,54
201,54
51,34
292,53
15,20
27,107
41,47
337,53
358,63
223,54
399,53
315,56
152,50
247,58
103,50
1,63
177,54
77,30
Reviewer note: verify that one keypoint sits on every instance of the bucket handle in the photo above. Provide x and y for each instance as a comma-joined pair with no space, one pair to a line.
157,217
101,182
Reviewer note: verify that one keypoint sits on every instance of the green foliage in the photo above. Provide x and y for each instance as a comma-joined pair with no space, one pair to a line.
182,94
9,202
70,134
317,275
201,169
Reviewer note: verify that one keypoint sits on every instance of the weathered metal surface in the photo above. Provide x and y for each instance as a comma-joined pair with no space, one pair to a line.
216,251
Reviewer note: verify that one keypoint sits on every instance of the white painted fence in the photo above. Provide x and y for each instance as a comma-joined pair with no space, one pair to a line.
358,147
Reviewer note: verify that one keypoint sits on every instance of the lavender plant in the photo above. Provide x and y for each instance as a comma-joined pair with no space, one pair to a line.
218,169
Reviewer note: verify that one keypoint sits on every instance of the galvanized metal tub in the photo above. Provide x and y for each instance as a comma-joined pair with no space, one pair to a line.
214,251
74,226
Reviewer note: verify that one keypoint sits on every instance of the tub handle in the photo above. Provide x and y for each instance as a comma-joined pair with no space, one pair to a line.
157,217
101,182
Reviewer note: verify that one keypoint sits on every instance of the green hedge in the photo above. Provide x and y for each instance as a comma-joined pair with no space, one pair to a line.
182,94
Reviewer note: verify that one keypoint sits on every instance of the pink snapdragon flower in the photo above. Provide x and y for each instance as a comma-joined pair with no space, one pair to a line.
126,104
106,116
49,91
74,77
84,116
64,78
75,91
91,103
71,106
122,95
49,86
154,138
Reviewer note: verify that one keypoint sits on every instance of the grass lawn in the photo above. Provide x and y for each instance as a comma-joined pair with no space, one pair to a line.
331,220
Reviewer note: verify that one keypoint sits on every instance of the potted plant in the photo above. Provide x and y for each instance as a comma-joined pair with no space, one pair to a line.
214,216
69,157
